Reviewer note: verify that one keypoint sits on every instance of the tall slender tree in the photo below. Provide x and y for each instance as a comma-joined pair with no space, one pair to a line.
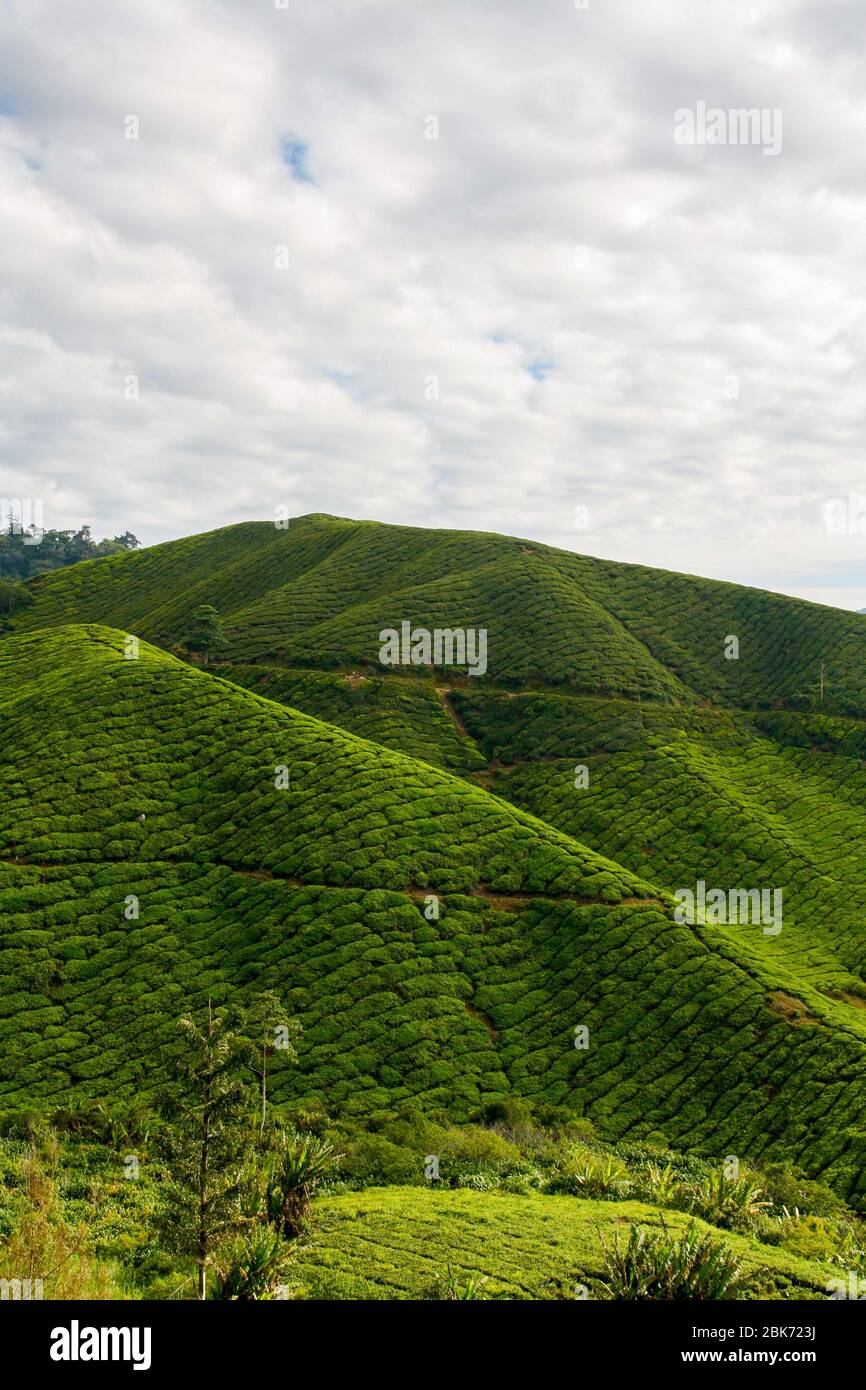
206,1144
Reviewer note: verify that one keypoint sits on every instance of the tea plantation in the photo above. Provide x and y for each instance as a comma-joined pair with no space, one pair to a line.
395,1243
407,715
461,887
147,780
319,592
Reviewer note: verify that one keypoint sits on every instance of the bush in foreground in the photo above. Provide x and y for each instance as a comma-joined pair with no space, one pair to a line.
661,1267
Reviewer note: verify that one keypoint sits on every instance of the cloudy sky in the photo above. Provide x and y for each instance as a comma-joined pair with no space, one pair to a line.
443,264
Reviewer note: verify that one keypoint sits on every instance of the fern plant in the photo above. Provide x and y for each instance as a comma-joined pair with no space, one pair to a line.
448,1287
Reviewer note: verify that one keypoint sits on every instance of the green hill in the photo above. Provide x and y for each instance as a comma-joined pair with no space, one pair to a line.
319,889
318,593
465,889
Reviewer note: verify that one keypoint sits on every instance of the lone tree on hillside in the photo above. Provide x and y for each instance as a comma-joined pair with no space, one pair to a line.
207,1143
205,631
831,694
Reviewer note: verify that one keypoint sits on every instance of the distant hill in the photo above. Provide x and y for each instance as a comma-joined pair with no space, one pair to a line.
318,593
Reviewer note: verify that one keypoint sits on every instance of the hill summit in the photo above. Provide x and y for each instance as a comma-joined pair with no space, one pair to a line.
319,593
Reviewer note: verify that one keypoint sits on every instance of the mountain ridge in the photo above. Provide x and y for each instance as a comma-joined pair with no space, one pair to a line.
648,634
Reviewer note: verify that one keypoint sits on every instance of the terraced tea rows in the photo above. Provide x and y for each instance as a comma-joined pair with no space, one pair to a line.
400,1243
319,592
318,890
734,799
454,1013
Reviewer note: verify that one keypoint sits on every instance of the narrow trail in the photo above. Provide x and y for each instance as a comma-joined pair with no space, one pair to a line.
444,693
482,1018
696,703
483,776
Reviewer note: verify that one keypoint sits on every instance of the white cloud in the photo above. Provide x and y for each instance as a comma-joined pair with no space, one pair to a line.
669,335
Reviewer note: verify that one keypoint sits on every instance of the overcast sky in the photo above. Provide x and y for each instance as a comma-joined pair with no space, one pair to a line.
443,264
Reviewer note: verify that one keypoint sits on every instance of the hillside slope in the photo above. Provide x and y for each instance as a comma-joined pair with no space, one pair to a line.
753,799
319,592
318,890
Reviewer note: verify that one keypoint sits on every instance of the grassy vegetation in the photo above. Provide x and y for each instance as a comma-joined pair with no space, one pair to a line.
406,715
405,860
518,1211
318,593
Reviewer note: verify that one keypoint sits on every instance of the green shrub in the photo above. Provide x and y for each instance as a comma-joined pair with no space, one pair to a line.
371,1158
790,1188
454,1288
658,1185
252,1266
472,1145
586,1173
734,1204
295,1168
665,1267
813,1237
